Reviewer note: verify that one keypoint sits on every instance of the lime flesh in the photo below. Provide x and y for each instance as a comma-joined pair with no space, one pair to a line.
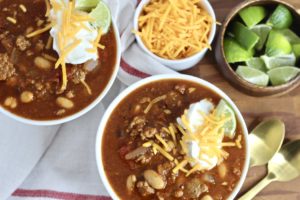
277,44
262,31
282,75
257,63
234,52
253,76
245,37
86,5
281,18
296,50
279,61
103,17
292,37
253,15
224,110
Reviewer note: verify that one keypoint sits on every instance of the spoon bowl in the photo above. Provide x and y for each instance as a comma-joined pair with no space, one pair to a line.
265,141
284,166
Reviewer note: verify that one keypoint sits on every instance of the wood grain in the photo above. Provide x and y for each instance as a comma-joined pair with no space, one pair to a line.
255,109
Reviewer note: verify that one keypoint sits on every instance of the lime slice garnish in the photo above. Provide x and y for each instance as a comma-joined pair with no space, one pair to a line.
86,5
257,63
282,75
279,61
253,15
292,37
224,110
234,52
253,76
277,44
244,36
262,31
281,18
103,17
296,50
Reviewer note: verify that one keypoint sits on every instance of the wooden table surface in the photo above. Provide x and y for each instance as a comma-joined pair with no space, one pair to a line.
255,109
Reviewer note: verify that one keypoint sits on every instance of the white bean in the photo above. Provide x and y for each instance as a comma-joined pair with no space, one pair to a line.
11,102
42,63
26,97
222,170
154,179
64,102
207,197
130,182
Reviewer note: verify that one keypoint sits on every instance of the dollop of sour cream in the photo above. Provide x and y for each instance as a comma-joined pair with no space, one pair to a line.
195,148
79,54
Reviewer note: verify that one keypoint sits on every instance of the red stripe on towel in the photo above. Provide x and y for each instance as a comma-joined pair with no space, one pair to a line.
131,70
56,195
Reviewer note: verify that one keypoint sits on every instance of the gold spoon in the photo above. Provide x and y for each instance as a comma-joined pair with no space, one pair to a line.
265,140
284,166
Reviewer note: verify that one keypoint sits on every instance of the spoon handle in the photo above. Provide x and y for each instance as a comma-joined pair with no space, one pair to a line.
256,189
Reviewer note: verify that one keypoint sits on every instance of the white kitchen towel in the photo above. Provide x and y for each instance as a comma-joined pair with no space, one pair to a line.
58,162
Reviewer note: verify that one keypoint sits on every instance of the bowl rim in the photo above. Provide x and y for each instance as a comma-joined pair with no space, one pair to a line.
137,85
232,14
85,109
212,34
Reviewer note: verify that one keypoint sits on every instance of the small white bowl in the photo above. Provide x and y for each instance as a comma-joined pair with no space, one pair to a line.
180,64
151,79
86,109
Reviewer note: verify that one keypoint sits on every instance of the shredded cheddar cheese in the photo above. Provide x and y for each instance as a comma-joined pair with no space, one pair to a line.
154,101
11,19
161,140
23,8
37,32
47,8
174,29
72,22
179,166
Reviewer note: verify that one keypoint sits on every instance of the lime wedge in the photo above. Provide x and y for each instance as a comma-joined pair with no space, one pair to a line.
279,61
246,38
262,31
257,63
103,17
296,50
234,52
290,35
282,75
224,110
86,5
253,76
253,15
277,44
281,18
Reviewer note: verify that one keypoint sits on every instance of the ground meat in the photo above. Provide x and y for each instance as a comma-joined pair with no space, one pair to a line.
3,34
78,74
7,69
148,133
165,168
136,126
194,188
7,43
22,43
144,188
180,88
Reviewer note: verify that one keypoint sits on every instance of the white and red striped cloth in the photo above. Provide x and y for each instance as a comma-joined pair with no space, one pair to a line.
58,162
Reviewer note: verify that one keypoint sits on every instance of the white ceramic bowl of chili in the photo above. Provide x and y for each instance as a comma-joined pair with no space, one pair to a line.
151,79
84,110
180,64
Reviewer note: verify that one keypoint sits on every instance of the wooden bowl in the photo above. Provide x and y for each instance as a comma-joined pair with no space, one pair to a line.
228,71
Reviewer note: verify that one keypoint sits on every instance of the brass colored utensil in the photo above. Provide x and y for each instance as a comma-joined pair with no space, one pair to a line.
265,140
284,166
